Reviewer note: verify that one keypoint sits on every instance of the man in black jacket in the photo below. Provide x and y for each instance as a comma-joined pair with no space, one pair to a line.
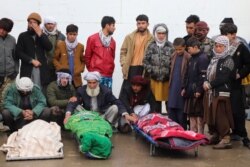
241,57
31,47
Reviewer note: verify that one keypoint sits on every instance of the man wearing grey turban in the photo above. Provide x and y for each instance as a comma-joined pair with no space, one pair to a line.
23,103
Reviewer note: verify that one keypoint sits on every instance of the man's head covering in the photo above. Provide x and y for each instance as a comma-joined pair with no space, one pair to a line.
202,25
6,24
226,20
63,73
139,80
222,40
35,16
49,19
24,84
94,75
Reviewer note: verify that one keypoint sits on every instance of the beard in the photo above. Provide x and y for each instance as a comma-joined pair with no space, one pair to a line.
93,92
111,33
141,30
31,31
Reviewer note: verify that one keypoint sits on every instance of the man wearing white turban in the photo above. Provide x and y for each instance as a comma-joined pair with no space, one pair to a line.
97,97
23,103
54,35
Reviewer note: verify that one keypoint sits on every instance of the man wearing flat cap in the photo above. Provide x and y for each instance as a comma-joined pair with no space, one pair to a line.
96,97
54,35
31,47
9,63
23,103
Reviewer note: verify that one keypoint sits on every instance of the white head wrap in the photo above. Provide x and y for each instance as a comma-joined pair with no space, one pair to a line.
49,20
95,75
24,84
61,75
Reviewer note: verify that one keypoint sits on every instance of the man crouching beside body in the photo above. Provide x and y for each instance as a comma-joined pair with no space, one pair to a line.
96,97
23,103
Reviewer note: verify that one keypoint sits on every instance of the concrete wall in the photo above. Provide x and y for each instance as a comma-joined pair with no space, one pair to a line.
87,15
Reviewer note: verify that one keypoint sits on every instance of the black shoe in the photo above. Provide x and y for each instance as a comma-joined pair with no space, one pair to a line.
246,142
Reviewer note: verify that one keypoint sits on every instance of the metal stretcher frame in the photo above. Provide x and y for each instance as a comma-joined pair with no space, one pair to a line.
161,144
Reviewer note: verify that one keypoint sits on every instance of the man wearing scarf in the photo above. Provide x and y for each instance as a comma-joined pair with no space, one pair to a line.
97,97
69,55
59,94
241,58
138,100
31,48
54,35
100,51
156,63
220,73
23,103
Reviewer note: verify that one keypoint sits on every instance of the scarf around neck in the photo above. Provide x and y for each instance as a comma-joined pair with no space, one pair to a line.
106,40
45,31
211,70
71,46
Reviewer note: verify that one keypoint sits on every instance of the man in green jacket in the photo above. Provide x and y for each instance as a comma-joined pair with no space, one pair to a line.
23,103
59,94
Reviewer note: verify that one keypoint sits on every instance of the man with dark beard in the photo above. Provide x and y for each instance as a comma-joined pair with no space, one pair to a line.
201,31
31,47
96,97
133,50
100,51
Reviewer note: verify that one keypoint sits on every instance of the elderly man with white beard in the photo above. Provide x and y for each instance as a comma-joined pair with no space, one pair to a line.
96,97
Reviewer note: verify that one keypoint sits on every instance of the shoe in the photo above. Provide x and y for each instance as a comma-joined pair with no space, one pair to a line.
214,140
223,145
246,142
235,137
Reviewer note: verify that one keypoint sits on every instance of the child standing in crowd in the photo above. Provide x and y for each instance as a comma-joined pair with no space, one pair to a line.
69,55
179,61
192,87
220,73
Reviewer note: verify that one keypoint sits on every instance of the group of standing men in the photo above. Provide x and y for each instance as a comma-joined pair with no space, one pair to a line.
54,63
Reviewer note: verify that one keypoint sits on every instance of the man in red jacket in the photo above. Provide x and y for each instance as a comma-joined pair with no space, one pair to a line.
100,51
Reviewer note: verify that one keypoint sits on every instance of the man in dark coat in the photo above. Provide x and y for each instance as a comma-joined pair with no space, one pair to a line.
97,97
31,47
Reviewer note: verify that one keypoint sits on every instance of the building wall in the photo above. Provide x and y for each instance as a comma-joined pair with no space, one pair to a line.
87,15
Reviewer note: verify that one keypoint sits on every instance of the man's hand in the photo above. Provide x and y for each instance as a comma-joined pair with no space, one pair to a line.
73,99
67,115
36,63
37,29
28,115
183,92
131,118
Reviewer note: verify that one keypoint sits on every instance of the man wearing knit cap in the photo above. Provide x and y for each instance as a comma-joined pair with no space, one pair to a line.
96,97
100,51
9,63
201,31
23,103
31,47
54,35
59,94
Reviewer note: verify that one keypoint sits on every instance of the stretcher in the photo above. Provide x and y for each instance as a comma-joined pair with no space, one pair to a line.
183,140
